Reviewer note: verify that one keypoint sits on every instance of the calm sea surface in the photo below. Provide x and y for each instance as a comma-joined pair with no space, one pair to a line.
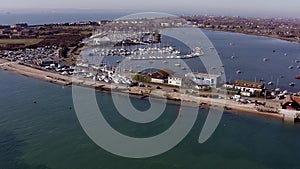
47,134
39,128
48,18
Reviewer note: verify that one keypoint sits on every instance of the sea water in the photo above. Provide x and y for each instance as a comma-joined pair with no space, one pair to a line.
39,129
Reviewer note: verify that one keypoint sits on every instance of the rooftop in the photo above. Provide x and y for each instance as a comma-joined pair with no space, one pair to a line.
250,84
204,74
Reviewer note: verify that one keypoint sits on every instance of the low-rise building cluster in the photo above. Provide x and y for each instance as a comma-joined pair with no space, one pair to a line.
191,80
23,30
285,28
47,58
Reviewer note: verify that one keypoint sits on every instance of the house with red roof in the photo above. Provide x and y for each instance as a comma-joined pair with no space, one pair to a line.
291,103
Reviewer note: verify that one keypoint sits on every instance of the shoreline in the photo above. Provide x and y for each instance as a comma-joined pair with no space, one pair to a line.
287,39
173,97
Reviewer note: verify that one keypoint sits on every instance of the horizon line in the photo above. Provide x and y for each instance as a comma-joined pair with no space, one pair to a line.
129,11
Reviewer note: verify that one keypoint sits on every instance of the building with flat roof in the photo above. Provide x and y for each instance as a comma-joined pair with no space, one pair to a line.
175,81
203,79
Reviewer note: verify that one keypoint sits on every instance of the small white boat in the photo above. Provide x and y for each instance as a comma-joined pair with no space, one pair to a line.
292,84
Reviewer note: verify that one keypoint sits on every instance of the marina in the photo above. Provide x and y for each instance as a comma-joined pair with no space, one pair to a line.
149,53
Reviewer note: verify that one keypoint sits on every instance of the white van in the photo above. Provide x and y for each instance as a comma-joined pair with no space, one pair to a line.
235,97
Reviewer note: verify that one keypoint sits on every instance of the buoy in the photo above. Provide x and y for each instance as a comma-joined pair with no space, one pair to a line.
179,112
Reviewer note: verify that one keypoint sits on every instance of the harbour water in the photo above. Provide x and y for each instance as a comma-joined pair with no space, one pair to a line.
258,59
39,127
248,53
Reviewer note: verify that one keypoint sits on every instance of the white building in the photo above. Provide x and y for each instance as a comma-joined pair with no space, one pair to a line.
246,88
158,77
175,81
204,79
164,24
153,80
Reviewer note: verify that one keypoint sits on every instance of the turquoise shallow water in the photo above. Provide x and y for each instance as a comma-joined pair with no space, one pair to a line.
48,135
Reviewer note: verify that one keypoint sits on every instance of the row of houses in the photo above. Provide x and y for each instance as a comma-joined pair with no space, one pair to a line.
206,81
15,30
246,88
198,80
203,81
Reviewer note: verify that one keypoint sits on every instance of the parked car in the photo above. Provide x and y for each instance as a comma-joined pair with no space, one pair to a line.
235,97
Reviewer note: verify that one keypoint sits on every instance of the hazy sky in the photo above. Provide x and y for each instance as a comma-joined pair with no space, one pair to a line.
262,8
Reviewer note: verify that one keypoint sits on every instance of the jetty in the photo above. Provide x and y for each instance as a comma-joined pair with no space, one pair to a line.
290,116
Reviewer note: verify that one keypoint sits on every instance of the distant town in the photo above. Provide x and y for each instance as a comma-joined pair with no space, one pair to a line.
287,29
22,35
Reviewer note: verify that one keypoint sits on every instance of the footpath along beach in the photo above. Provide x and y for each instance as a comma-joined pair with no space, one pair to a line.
166,92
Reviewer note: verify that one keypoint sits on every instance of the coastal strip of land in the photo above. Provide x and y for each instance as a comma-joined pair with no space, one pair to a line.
34,72
228,105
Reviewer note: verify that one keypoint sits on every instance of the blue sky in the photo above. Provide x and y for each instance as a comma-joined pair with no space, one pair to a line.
278,8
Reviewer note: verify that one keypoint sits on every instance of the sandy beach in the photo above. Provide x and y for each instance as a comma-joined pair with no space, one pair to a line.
228,105
35,73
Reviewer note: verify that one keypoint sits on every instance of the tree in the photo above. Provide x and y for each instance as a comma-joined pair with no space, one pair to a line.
64,51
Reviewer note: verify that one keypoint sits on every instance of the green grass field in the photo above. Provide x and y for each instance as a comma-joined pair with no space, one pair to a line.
26,42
